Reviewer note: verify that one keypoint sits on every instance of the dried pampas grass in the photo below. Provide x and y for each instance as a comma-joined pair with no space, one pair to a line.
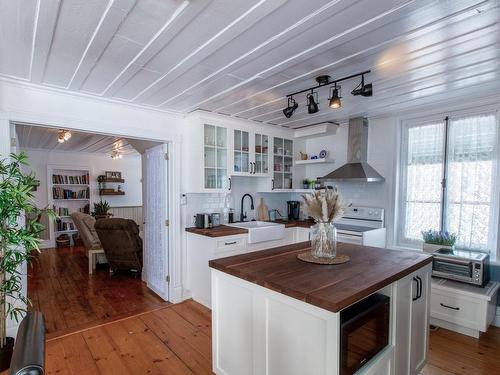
323,206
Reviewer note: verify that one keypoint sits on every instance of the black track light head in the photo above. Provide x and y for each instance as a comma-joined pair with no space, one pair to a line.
292,106
312,105
335,102
362,89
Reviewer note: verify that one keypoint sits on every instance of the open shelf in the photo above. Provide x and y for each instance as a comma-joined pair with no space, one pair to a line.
111,193
120,180
313,161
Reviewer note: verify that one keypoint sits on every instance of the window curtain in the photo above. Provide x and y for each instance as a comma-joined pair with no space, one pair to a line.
472,180
424,172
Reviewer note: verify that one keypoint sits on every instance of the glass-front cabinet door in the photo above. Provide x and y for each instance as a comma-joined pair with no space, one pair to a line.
215,157
261,154
241,156
282,163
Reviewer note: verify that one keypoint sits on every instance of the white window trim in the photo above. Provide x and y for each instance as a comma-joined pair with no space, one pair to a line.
406,124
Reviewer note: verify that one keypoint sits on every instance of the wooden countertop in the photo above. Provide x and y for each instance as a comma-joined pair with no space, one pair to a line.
219,231
331,287
225,230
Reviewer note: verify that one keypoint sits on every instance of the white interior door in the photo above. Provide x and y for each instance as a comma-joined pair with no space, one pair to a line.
155,187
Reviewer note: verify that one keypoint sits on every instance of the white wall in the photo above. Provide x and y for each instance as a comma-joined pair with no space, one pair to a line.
130,166
28,103
383,144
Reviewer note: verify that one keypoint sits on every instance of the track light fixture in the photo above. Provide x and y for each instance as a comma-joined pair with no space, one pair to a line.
292,106
362,89
334,99
312,103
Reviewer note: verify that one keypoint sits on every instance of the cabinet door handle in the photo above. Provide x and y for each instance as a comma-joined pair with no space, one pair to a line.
254,166
272,186
450,307
251,168
419,289
229,183
416,296
230,243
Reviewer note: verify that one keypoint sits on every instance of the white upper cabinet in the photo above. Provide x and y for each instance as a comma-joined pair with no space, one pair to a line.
250,154
215,158
216,149
282,163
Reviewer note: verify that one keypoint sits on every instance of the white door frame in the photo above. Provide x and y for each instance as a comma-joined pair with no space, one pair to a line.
175,287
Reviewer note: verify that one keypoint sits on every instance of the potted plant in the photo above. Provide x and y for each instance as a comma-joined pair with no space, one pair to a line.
435,240
306,183
17,242
101,210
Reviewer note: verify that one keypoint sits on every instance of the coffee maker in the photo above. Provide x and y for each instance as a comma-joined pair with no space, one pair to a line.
293,208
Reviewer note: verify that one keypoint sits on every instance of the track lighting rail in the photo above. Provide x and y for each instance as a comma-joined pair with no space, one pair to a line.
329,83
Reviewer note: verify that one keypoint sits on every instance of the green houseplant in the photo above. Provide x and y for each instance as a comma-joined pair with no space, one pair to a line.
435,240
101,210
17,242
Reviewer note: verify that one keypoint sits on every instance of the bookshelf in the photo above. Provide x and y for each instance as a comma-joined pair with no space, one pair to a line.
68,191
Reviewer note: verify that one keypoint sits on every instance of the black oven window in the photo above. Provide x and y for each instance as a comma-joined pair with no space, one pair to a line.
364,332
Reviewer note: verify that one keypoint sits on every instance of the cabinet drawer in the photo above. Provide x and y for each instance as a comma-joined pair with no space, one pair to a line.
228,244
455,309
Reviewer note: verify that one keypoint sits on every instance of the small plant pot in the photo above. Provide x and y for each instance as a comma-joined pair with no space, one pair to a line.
432,248
6,354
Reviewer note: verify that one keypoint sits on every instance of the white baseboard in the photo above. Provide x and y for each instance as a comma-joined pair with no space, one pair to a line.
496,321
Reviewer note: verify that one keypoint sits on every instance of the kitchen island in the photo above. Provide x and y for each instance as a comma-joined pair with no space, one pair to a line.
274,314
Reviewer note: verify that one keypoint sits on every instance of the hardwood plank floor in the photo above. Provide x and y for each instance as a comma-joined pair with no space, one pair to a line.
176,340
72,300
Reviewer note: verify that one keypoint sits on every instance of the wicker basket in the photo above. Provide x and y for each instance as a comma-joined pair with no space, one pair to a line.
63,241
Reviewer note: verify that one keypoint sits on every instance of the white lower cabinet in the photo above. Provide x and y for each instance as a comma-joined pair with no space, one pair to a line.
412,321
257,331
201,249
463,308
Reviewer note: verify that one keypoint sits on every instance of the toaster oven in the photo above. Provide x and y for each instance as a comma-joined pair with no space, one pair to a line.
470,267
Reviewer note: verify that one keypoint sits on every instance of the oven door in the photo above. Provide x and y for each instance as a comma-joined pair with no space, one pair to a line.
350,237
364,332
455,269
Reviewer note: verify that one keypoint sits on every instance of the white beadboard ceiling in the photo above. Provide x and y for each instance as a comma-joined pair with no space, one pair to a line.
41,138
241,57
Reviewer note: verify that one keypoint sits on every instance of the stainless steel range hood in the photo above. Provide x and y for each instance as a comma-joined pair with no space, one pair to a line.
357,169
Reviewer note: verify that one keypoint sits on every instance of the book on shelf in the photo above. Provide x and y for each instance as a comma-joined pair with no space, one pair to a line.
64,211
60,193
64,225
73,180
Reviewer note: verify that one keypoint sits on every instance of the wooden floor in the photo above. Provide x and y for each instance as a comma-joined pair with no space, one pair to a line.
70,299
115,325
176,340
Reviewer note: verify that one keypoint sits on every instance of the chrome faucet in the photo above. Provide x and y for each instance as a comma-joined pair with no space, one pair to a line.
243,216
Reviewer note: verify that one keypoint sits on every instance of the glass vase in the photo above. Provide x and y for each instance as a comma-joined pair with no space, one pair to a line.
323,240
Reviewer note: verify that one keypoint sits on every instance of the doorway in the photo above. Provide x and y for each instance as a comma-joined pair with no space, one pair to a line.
60,284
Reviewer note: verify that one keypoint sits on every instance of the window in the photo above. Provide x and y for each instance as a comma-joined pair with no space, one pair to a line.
448,176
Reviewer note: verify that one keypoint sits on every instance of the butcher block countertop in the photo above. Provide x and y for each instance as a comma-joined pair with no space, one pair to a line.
218,231
331,287
225,230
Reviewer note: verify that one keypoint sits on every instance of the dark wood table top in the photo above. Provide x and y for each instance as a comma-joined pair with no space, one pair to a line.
225,230
331,287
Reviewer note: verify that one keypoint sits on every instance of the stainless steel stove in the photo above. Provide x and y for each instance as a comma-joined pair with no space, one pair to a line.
362,226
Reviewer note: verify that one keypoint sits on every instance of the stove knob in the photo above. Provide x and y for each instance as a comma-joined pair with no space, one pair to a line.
370,212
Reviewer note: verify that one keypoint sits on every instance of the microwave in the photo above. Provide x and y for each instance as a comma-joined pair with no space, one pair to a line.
364,332
469,267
